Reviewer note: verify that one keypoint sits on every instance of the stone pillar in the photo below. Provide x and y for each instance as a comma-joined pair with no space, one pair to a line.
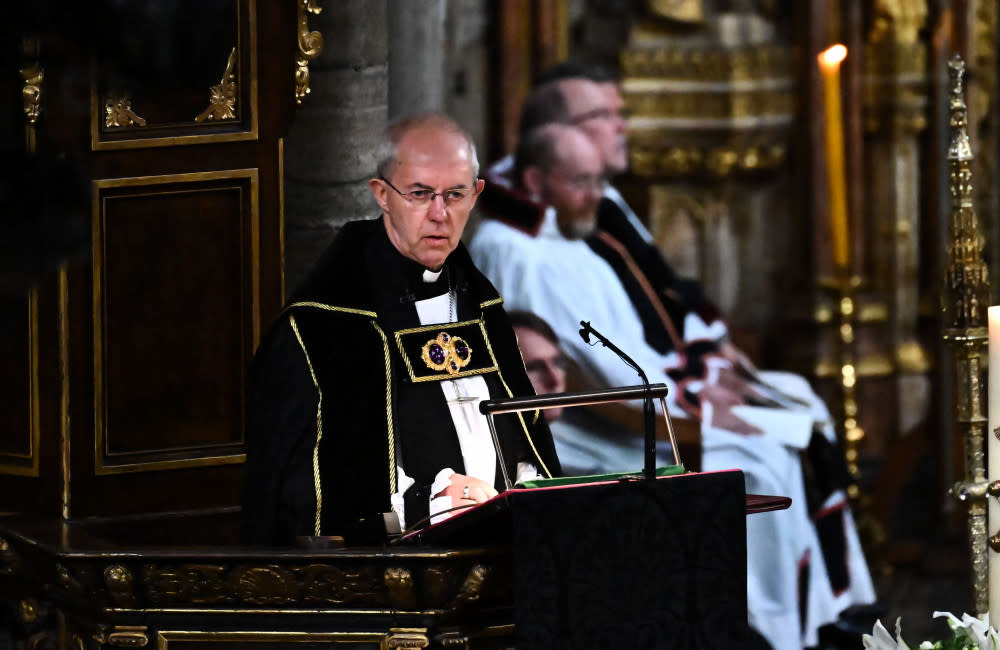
416,56
332,146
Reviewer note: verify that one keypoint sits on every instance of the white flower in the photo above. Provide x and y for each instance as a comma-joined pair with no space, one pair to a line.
974,629
880,639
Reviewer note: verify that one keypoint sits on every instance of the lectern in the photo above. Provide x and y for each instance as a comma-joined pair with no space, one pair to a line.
629,562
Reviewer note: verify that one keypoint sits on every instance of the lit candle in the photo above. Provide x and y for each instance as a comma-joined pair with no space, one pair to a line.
829,65
993,457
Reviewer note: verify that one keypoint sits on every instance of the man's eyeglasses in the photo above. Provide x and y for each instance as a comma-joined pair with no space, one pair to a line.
424,197
584,182
599,114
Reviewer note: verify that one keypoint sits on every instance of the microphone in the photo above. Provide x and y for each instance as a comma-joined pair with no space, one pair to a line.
649,447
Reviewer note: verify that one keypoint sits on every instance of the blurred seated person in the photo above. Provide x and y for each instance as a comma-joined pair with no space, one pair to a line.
578,453
364,393
551,270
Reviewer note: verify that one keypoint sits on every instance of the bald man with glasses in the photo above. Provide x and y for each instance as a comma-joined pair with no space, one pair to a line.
364,394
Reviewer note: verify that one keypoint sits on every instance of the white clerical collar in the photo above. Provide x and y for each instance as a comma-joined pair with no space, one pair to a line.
549,227
432,276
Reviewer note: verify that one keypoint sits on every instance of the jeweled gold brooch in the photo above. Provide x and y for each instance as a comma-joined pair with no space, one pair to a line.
446,353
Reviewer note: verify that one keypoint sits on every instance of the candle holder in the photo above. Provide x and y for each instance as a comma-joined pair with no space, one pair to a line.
844,289
965,299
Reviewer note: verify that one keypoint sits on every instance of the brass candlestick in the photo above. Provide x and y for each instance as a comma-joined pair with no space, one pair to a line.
853,433
965,299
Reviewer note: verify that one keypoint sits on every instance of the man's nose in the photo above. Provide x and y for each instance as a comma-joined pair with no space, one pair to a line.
437,208
619,122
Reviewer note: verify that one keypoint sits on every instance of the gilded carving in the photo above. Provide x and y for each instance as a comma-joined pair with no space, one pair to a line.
332,585
719,162
473,587
765,62
128,636
895,87
895,112
118,113
119,582
27,609
690,108
399,583
310,45
265,585
453,640
206,584
689,11
68,580
31,93
222,100
898,21
406,638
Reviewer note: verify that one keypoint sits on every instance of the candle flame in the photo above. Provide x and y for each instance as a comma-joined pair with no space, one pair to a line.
833,55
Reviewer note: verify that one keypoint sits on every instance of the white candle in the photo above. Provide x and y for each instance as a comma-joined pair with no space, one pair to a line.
993,459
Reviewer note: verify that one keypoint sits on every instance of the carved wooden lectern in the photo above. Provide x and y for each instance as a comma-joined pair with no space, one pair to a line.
629,563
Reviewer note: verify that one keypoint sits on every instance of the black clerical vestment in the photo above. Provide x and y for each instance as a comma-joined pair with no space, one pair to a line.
341,392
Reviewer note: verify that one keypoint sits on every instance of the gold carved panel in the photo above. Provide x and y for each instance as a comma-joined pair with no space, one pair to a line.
184,74
176,317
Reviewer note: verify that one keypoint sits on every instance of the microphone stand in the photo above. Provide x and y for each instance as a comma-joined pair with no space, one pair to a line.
649,446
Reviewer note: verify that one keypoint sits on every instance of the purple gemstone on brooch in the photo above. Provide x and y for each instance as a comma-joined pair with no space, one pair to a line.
461,349
454,366
444,337
436,353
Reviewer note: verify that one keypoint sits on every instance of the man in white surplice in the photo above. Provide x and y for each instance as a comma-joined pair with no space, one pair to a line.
550,270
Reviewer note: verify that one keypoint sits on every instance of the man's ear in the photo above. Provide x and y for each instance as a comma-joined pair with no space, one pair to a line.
380,192
531,178
480,184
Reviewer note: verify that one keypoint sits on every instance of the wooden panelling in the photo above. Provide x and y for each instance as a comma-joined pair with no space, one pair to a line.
19,387
167,96
144,338
176,318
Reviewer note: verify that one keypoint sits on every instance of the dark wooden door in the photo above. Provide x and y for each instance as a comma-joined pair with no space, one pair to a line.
125,387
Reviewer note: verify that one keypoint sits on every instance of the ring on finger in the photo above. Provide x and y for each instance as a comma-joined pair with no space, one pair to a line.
465,492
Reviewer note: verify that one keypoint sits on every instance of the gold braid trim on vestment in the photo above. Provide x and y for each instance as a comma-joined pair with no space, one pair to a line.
319,425
388,410
490,303
320,305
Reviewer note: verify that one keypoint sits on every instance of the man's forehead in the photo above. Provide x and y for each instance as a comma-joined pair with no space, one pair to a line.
576,154
583,95
436,155
577,167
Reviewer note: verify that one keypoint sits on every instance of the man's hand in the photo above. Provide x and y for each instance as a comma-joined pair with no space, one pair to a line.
478,490
737,357
732,381
723,400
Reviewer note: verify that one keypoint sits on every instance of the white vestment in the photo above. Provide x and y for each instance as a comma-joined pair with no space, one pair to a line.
564,281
